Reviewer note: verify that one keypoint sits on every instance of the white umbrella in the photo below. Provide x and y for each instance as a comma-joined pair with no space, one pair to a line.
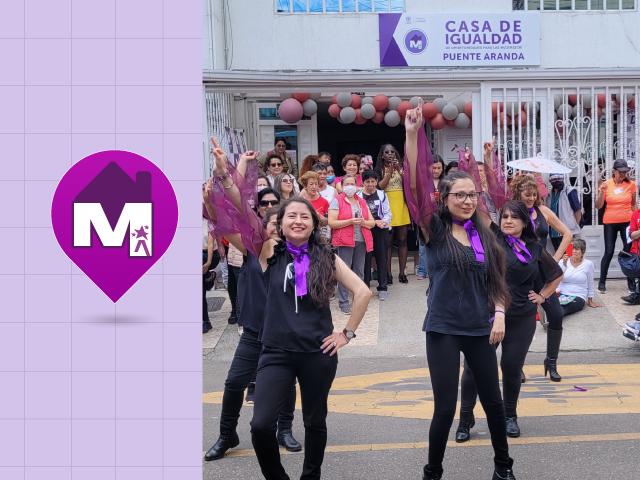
538,164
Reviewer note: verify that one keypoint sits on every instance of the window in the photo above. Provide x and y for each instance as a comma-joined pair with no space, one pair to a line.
340,6
558,5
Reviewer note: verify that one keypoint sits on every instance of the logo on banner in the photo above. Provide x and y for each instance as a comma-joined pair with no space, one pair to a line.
114,214
415,41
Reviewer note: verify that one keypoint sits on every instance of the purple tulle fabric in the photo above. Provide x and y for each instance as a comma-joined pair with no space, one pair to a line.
423,205
230,220
496,182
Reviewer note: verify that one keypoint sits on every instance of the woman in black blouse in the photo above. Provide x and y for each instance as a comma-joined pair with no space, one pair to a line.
467,297
528,264
297,333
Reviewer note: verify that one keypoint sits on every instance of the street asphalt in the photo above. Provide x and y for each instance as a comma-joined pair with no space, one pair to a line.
381,401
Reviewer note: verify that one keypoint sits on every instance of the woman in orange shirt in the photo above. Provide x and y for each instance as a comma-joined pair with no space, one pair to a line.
619,194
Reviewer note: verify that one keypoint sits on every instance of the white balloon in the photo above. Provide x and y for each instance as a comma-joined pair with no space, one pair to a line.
565,111
462,121
309,107
440,103
450,111
557,101
459,103
368,111
394,102
343,99
367,100
414,101
347,114
392,118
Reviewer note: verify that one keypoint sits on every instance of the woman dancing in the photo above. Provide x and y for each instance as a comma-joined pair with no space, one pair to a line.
464,253
297,333
526,261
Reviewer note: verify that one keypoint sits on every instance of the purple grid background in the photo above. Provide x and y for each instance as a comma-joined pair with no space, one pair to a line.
93,390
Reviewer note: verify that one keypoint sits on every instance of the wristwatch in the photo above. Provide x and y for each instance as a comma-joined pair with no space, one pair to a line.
349,334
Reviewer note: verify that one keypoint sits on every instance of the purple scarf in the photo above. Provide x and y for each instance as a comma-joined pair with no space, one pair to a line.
474,238
300,265
533,223
523,254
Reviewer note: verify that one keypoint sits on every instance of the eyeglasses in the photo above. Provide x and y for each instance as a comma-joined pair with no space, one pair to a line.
286,180
275,164
462,196
268,203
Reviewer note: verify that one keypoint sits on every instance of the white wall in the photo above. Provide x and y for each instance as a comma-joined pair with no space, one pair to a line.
263,40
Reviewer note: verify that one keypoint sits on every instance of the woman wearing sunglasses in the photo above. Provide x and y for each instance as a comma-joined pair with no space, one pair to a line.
285,185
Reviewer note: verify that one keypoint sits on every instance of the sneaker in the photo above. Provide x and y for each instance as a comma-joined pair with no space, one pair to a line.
501,473
346,309
635,326
513,430
382,295
232,320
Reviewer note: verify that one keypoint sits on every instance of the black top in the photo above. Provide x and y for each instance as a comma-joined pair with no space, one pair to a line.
373,202
252,294
524,277
284,328
542,228
457,301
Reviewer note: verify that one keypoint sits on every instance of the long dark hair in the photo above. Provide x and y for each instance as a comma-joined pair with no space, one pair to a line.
494,257
380,158
521,211
321,279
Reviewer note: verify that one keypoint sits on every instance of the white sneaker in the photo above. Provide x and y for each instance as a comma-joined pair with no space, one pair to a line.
382,295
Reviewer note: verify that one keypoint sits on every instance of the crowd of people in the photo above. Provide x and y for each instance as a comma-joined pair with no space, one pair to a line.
495,251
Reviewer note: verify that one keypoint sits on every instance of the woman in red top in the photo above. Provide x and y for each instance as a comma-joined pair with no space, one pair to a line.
618,197
311,183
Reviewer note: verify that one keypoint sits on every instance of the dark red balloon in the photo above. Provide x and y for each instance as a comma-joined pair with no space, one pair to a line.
334,110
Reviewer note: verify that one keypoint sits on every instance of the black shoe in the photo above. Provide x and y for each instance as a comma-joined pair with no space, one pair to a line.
286,440
221,446
206,327
601,287
463,433
389,279
503,474
513,430
551,365
632,299
232,320
431,473
402,278
638,317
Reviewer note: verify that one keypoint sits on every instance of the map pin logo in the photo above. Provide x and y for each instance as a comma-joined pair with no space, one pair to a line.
114,213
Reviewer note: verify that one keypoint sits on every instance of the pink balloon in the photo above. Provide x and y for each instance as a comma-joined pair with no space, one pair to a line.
429,110
378,117
301,97
356,101
468,109
360,120
381,102
290,111
438,122
601,100
334,110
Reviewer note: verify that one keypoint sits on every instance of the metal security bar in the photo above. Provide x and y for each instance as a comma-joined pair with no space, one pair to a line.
568,5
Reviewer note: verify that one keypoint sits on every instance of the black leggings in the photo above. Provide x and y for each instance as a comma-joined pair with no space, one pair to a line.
381,240
553,309
611,230
232,288
515,345
443,356
277,371
241,372
575,306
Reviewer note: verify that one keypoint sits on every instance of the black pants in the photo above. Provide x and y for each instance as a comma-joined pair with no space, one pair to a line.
575,306
553,309
443,356
381,239
277,372
232,288
611,230
519,333
214,263
241,372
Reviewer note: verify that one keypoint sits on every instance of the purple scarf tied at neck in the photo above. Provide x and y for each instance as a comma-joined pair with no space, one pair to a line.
522,253
533,223
300,265
474,238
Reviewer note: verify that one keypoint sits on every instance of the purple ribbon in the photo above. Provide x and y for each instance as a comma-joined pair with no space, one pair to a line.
533,223
523,254
474,238
300,265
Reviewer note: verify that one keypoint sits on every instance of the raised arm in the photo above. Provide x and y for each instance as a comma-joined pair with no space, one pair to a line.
245,159
222,175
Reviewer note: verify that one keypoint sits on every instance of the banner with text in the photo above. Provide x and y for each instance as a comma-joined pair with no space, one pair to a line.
459,40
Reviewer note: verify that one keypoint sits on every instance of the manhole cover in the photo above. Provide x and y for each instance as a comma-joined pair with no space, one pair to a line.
214,303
